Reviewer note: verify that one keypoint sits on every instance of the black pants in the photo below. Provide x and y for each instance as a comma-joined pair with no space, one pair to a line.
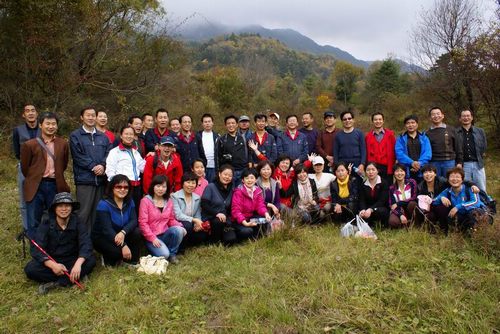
37,271
193,238
137,196
243,233
381,214
112,253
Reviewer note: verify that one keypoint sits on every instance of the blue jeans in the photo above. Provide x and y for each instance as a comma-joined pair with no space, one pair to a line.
210,174
170,241
443,166
41,201
475,174
22,203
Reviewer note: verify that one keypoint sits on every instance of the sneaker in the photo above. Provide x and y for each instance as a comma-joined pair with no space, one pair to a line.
44,288
173,259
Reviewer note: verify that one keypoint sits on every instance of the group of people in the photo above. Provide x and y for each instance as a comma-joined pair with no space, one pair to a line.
159,183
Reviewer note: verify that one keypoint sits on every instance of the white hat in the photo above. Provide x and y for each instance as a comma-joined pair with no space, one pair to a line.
318,160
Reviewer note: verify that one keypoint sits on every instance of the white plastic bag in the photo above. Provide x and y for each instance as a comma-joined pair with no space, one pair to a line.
365,231
153,265
348,229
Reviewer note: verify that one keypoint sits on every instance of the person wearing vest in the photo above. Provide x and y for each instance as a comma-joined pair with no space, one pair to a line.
89,149
43,162
21,134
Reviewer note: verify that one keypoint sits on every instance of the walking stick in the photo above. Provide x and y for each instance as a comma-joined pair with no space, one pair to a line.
52,259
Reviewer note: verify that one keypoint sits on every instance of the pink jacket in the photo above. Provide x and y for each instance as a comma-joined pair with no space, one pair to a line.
244,207
152,221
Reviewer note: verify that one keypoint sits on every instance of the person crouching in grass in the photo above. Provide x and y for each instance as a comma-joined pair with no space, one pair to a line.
464,206
67,241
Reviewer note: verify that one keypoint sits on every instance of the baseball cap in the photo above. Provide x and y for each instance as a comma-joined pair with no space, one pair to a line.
328,114
318,160
275,114
244,118
167,141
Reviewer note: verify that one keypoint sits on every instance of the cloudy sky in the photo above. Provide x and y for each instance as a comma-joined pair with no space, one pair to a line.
368,29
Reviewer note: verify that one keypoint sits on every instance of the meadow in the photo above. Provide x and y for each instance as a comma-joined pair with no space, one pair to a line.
301,280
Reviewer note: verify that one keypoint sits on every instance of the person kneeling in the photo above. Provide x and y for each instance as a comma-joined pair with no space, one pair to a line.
67,241
249,210
163,233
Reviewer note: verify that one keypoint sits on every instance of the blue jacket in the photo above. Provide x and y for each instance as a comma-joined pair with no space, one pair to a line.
402,156
464,201
268,148
216,199
350,147
180,204
88,150
312,136
189,152
153,137
110,219
479,142
295,148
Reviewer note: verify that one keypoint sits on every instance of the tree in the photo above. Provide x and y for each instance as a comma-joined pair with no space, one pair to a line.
344,77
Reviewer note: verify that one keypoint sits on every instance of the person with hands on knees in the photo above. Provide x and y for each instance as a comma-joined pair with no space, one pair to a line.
345,193
187,206
373,196
216,206
163,233
67,241
115,234
402,198
249,212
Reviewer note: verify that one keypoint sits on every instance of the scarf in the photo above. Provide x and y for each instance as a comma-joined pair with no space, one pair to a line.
305,193
343,187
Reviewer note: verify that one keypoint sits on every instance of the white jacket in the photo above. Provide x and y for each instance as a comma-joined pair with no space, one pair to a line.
124,161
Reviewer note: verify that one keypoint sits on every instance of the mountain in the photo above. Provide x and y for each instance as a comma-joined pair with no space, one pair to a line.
204,31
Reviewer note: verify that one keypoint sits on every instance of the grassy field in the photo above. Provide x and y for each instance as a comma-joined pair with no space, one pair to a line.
305,280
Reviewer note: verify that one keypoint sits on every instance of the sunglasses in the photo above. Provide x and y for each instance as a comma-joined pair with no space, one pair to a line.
118,187
347,119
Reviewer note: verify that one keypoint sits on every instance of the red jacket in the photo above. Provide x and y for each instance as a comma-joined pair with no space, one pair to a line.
381,153
173,172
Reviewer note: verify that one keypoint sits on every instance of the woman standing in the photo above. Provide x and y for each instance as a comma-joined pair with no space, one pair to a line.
373,196
402,197
248,210
188,210
269,187
126,160
115,234
216,206
345,193
163,233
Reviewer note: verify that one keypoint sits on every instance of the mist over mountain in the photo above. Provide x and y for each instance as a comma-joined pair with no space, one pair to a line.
204,31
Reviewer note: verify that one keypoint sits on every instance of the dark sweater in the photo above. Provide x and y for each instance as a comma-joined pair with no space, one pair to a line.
445,144
216,199
350,147
374,199
312,136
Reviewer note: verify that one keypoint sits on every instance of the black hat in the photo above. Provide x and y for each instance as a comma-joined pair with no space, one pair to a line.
329,114
64,197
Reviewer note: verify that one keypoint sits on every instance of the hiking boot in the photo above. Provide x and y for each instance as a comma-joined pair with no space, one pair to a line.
173,259
44,288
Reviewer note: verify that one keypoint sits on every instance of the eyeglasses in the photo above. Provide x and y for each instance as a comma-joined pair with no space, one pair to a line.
346,119
118,187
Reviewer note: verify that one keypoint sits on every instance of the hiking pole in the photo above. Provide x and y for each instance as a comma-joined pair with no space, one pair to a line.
52,259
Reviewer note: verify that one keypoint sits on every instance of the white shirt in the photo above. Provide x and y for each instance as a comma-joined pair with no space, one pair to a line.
207,139
126,162
323,184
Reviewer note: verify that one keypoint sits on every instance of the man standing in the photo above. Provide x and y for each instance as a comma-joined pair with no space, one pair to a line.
380,147
231,149
148,122
446,149
135,122
262,144
244,127
89,149
474,149
153,136
21,134
349,144
326,138
206,144
310,132
43,162
186,143
273,126
413,149
293,142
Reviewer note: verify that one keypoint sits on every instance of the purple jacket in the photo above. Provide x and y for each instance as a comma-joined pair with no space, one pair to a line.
244,207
